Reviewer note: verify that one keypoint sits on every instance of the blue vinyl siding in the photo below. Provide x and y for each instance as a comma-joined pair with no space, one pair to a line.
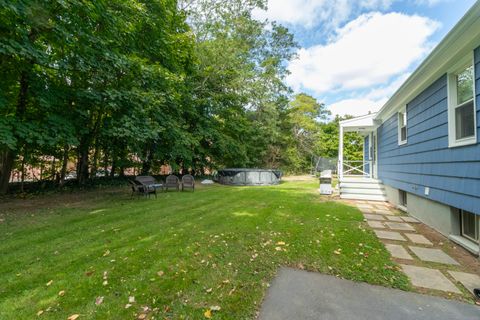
366,152
452,174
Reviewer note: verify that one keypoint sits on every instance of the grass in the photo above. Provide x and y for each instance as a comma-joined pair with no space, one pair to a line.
179,254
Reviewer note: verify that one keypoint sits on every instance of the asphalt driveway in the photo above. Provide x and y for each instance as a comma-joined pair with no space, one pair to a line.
296,294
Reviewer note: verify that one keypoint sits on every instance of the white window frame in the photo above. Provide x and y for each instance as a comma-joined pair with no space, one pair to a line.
399,114
476,226
452,103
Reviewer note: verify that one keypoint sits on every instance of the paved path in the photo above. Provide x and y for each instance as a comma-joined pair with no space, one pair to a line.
424,262
296,294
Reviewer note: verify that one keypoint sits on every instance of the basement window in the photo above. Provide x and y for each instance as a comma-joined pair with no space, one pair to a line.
469,223
461,107
402,126
402,196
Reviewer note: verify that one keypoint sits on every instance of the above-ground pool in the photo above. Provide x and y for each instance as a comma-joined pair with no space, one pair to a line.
249,177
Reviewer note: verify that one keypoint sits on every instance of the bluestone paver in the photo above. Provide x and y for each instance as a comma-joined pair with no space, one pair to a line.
418,239
429,278
433,255
376,224
398,251
296,294
389,235
394,218
469,280
384,212
373,217
400,226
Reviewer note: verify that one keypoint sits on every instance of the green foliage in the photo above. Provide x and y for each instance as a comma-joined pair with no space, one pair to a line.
328,142
123,84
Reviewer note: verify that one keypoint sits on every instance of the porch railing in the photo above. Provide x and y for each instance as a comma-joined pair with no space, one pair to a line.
357,168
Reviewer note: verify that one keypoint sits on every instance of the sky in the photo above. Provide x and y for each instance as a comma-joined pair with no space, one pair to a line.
354,54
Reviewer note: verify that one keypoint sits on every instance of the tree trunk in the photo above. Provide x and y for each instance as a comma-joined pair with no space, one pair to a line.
6,164
147,163
23,174
94,169
82,163
114,165
63,173
54,170
105,162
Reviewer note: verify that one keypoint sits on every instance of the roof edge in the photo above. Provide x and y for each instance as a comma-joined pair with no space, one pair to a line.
470,17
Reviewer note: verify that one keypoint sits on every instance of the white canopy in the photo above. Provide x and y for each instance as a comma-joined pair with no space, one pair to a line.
362,124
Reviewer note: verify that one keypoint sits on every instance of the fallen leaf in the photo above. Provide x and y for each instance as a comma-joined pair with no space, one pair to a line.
49,283
106,253
337,252
128,305
99,301
208,314
73,317
278,248
131,299
39,313
215,308
160,273
105,282
280,243
61,293
209,290
142,316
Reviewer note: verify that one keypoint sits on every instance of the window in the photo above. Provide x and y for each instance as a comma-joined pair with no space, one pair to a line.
462,122
402,126
402,198
469,225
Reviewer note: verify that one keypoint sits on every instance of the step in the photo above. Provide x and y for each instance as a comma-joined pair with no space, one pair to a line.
362,191
360,180
361,185
370,197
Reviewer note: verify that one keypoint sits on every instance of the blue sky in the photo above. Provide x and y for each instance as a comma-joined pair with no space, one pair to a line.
355,54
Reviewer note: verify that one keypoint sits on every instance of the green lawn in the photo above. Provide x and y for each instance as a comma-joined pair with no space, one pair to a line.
179,254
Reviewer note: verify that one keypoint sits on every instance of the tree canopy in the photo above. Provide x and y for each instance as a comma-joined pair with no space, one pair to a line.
118,84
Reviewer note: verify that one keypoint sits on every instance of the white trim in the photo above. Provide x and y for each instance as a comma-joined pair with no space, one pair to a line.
469,60
375,155
461,40
399,129
465,243
475,223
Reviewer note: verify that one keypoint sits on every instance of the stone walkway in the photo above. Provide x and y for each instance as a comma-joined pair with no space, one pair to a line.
429,268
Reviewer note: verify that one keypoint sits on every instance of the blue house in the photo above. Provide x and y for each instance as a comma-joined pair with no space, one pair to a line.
422,149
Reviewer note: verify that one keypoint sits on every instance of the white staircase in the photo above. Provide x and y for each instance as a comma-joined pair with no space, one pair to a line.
360,188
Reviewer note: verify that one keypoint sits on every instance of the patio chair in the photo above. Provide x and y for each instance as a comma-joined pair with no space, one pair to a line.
188,181
137,188
172,182
148,184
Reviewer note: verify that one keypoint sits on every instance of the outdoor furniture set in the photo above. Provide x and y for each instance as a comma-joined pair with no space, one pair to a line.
147,185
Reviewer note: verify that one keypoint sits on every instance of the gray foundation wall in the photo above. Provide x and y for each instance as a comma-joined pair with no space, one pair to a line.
434,214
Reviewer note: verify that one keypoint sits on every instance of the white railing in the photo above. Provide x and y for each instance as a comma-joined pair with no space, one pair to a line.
356,168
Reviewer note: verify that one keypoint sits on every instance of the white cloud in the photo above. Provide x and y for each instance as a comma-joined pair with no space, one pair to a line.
356,106
371,101
366,52
310,13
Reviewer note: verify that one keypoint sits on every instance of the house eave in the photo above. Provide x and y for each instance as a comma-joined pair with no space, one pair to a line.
461,40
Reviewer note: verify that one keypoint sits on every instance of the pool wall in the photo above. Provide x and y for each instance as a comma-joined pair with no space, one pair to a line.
249,177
